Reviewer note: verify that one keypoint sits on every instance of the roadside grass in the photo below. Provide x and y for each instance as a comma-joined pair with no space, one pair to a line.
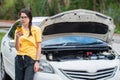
117,31
1,36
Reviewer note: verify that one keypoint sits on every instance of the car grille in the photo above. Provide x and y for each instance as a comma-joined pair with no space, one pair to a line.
84,75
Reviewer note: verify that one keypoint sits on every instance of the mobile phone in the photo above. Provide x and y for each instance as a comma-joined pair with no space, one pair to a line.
19,28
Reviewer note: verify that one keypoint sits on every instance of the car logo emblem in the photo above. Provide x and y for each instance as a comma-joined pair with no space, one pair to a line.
92,71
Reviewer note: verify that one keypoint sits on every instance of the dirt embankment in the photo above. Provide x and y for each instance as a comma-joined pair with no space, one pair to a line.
6,23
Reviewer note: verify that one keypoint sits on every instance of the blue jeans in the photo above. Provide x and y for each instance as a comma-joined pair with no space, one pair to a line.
24,68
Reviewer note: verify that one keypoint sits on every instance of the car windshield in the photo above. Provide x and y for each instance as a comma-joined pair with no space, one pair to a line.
72,41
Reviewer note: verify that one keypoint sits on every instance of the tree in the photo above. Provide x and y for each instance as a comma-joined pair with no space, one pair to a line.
18,5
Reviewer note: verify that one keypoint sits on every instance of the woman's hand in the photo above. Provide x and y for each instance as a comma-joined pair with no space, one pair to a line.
36,66
18,34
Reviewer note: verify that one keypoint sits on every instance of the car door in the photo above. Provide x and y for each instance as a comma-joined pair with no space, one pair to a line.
9,51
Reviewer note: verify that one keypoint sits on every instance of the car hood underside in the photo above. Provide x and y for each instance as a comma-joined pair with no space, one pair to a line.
91,29
78,22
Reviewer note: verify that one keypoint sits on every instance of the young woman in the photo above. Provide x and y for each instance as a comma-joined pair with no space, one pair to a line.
28,46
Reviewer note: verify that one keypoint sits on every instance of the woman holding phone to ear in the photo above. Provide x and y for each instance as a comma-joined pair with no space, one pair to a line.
28,46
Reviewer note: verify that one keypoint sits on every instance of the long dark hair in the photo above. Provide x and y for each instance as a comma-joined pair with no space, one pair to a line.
29,15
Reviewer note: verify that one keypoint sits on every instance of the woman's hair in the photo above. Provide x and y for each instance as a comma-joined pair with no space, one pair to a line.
29,15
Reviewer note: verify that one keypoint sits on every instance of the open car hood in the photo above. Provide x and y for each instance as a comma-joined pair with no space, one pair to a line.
78,22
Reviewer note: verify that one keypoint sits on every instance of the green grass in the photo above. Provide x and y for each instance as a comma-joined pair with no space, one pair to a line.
117,31
1,36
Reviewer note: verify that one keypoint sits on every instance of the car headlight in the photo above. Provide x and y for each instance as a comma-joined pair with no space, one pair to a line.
46,67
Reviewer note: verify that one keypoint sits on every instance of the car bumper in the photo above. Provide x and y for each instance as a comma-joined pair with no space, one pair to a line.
116,76
49,76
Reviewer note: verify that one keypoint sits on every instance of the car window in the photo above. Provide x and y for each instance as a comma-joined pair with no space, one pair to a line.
12,30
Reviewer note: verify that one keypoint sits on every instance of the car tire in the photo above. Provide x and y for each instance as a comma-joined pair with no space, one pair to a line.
3,74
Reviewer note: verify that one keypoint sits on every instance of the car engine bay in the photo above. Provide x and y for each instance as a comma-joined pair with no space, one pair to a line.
64,55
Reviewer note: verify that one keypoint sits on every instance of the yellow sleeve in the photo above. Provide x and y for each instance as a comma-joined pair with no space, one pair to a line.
38,36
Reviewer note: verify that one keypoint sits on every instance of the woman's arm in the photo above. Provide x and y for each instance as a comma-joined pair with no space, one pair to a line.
38,50
36,65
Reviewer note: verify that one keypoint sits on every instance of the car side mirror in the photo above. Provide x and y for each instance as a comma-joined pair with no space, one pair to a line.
11,43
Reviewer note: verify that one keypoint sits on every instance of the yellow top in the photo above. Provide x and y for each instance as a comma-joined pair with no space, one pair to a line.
28,43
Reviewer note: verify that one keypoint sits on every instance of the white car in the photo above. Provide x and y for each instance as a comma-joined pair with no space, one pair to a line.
76,46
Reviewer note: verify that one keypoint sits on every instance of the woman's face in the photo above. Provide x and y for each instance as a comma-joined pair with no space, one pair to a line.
24,19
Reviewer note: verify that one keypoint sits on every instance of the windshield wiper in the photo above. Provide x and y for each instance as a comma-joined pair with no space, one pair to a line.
61,44
93,43
80,44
